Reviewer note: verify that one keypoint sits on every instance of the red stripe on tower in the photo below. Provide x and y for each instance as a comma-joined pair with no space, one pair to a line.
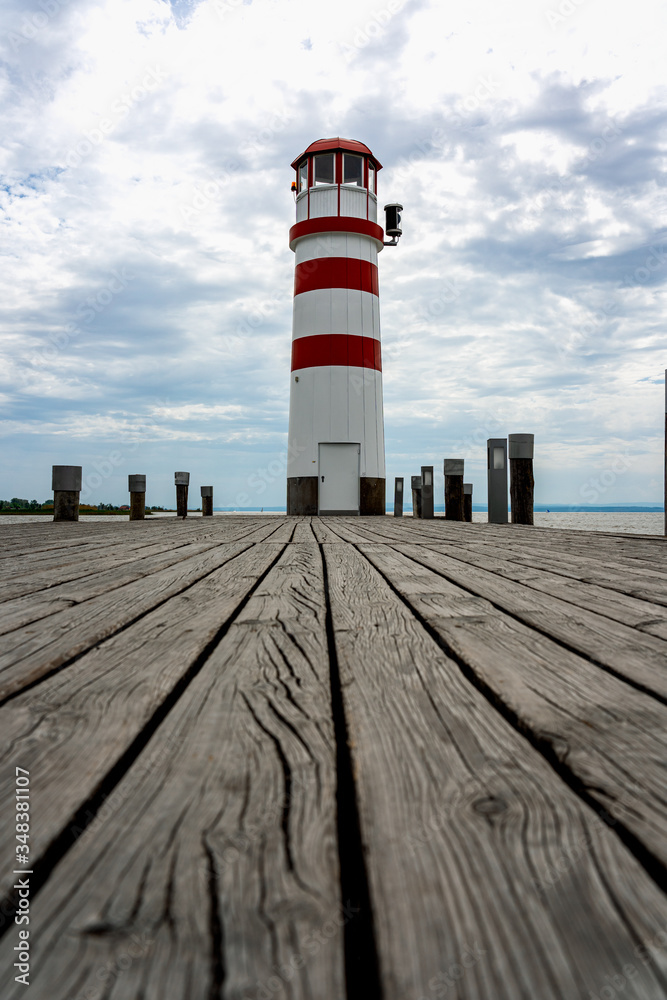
334,224
336,272
336,349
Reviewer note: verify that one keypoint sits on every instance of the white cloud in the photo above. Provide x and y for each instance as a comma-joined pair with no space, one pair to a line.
154,140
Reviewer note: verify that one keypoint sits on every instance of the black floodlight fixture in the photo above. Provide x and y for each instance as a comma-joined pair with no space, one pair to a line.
392,227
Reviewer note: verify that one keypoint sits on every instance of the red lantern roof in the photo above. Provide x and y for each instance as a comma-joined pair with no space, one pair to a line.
330,145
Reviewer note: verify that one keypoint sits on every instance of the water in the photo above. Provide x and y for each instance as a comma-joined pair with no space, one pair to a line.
623,522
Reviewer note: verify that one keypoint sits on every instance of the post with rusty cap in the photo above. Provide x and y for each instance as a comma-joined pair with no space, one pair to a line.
427,491
182,480
207,501
522,483
137,488
416,485
496,477
398,497
454,489
66,486
467,502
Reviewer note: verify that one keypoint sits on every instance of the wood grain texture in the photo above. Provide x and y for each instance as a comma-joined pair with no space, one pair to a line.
29,571
322,530
463,820
35,650
639,658
636,613
30,581
592,559
303,531
188,704
93,577
47,601
78,723
611,737
222,875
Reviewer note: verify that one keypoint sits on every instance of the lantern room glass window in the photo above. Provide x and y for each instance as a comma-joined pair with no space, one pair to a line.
353,170
323,169
371,177
303,176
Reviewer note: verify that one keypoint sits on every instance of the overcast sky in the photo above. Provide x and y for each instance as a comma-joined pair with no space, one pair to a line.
146,279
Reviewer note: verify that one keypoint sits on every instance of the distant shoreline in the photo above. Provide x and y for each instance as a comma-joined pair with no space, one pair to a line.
84,513
438,509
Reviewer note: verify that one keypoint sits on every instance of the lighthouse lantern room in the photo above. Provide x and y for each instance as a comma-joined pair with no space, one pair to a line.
335,459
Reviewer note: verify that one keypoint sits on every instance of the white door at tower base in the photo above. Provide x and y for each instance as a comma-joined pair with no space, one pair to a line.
338,479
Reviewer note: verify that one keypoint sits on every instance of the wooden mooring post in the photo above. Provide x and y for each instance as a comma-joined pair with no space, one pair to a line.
398,496
137,488
454,489
207,501
66,485
467,502
416,484
665,491
427,491
182,481
522,483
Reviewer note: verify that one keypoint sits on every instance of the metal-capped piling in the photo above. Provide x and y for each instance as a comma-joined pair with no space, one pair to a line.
182,481
207,501
416,486
398,496
467,502
453,468
136,485
522,483
427,491
66,485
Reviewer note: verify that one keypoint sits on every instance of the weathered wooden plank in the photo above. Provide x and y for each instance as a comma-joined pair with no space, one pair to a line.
345,529
645,546
639,658
40,576
285,529
74,726
642,551
47,534
629,555
323,531
124,537
611,737
464,822
593,563
47,601
225,872
303,531
102,577
600,569
639,614
33,651
27,556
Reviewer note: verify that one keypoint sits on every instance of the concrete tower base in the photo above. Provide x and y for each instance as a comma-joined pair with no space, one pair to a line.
302,496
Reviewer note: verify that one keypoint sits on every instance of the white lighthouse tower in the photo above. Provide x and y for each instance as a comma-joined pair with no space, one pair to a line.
336,435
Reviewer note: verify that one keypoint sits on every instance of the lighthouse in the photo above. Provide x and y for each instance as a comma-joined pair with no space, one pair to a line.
335,461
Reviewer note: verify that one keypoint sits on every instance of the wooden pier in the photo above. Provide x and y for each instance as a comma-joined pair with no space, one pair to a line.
335,759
